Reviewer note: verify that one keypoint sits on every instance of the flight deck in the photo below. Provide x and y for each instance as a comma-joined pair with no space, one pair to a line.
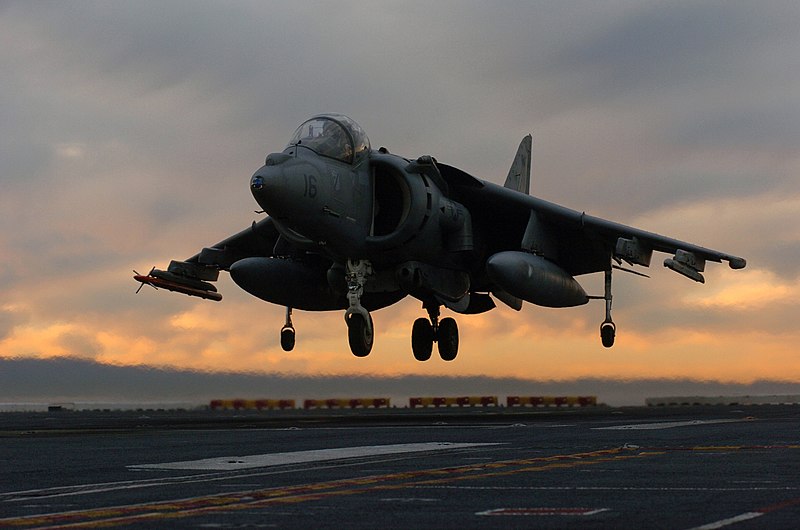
595,467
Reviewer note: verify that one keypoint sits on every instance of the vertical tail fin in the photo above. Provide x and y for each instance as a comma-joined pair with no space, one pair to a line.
519,176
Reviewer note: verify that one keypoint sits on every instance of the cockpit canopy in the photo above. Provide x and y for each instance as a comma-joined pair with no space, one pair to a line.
333,135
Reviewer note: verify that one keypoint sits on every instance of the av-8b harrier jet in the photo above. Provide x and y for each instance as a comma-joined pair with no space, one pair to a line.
355,229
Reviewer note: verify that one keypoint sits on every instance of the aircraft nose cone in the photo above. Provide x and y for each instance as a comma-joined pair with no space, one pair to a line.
257,182
267,186
271,175
267,178
287,188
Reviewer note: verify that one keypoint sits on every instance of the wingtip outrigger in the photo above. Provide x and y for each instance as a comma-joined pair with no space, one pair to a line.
737,263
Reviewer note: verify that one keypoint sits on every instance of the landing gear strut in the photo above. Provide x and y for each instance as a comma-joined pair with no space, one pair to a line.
287,332
426,331
608,329
360,332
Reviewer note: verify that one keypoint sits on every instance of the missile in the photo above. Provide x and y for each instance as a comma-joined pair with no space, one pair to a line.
687,264
684,270
534,279
171,282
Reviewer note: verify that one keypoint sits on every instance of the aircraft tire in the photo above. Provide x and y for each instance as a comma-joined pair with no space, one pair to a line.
422,339
608,332
360,335
448,339
287,338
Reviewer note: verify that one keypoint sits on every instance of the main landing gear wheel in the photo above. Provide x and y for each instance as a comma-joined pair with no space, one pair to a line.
360,334
422,339
447,337
426,331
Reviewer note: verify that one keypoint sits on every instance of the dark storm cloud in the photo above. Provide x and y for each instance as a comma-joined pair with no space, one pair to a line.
773,124
151,45
166,89
695,78
668,44
147,76
83,380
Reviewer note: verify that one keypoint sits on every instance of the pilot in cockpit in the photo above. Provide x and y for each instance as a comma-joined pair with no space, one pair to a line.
337,143
334,136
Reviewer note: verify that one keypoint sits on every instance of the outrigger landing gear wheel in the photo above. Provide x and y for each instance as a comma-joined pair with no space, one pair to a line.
287,338
608,330
287,332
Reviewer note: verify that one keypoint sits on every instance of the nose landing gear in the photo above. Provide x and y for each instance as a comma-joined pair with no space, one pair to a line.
426,331
360,332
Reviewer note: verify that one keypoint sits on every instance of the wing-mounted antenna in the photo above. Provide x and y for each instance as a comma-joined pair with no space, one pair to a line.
519,176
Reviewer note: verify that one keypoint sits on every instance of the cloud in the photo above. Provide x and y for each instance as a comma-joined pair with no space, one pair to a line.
80,345
128,133
65,379
764,235
9,319
648,48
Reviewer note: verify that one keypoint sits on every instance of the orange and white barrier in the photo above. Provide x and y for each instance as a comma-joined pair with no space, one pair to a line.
465,401
346,403
252,404
551,401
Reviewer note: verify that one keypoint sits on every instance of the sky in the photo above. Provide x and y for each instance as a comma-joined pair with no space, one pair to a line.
129,132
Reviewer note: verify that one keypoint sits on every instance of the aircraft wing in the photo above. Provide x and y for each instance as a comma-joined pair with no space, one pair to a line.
635,245
257,240
577,242
192,276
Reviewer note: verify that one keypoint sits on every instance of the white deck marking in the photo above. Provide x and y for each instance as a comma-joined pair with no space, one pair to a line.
544,511
232,463
663,425
729,521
